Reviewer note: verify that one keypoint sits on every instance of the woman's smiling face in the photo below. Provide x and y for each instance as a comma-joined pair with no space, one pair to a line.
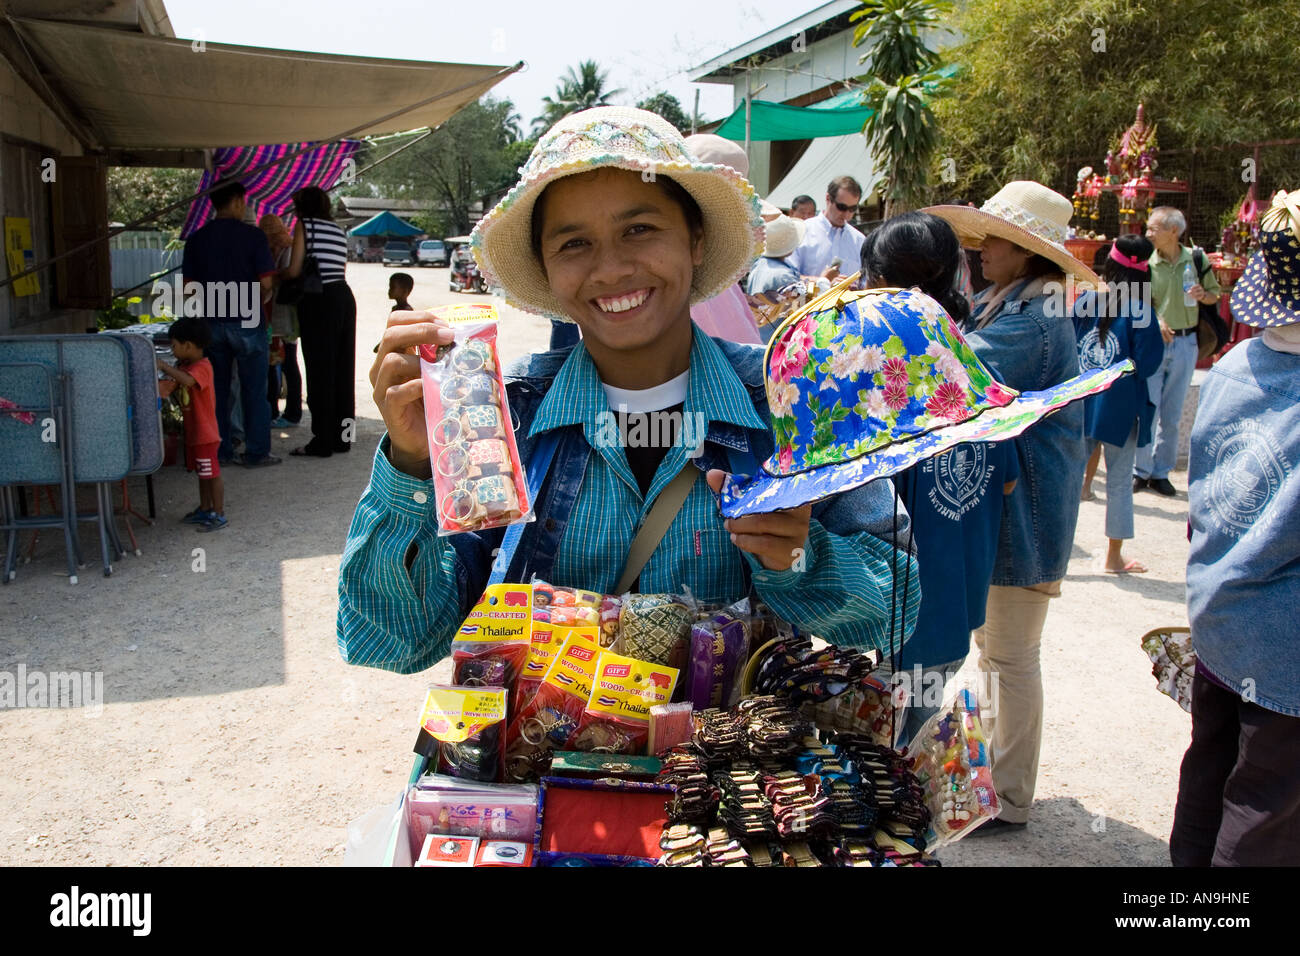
619,255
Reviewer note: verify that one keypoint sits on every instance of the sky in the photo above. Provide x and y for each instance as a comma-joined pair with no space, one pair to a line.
645,47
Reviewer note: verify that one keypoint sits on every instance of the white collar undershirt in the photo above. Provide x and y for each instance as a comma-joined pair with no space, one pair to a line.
666,395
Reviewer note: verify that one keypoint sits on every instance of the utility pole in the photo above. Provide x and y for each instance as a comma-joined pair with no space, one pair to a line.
750,93
695,114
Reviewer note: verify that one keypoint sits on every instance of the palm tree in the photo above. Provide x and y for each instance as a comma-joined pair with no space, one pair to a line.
577,90
511,125
905,78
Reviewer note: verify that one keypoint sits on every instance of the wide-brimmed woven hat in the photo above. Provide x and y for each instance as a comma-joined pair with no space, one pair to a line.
1268,293
1026,213
783,237
622,138
863,385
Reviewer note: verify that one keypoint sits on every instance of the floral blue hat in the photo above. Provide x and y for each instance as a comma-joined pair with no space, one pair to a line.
863,385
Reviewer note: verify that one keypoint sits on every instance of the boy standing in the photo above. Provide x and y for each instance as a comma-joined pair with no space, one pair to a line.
400,285
189,337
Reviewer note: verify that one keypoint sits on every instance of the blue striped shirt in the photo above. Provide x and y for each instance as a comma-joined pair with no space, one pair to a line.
403,618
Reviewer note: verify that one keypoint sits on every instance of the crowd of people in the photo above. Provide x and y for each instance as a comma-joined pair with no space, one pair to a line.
632,268
238,354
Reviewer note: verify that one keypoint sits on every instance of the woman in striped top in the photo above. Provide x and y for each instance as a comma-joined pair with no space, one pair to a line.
328,324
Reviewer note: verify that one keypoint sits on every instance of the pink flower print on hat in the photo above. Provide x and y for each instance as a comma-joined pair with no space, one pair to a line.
948,402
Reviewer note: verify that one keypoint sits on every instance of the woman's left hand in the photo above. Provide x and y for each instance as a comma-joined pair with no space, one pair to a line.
776,538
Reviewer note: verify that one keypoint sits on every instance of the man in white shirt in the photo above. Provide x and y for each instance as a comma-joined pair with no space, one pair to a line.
829,237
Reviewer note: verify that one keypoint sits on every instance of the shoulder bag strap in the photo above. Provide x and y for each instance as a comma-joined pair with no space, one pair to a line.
665,509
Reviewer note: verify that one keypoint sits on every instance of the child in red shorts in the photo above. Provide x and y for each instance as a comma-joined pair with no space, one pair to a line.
189,337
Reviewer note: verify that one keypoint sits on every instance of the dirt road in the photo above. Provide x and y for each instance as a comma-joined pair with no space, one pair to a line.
231,732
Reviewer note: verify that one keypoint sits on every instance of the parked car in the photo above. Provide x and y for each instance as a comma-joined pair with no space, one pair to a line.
431,252
399,253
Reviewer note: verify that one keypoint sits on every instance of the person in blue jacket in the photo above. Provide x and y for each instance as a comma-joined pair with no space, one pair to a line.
955,499
613,226
1020,329
1111,325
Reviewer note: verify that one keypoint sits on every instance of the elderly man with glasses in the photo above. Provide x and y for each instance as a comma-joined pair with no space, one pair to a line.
830,245
1177,289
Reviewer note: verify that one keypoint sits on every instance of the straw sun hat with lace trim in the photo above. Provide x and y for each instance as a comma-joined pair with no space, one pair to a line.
622,138
1026,213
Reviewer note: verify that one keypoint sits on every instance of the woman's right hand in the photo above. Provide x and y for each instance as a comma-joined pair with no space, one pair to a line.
399,392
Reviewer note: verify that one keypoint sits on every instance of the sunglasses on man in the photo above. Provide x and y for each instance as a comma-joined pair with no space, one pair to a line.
845,207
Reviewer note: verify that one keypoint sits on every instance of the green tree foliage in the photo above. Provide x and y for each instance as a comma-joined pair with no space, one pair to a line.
667,106
903,81
135,191
577,90
1050,83
465,159
891,32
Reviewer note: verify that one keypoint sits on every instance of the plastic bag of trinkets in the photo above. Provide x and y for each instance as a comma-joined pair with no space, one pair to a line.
950,759
550,717
462,731
477,475
493,642
617,716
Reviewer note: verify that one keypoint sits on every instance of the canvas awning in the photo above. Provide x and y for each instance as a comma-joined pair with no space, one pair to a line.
134,91
825,159
385,224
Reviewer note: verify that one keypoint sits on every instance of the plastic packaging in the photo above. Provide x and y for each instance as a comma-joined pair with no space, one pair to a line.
462,729
442,804
951,762
576,607
550,718
477,474
617,716
655,628
719,649
493,642
548,641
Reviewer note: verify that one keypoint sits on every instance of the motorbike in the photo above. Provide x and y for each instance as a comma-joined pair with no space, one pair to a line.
465,275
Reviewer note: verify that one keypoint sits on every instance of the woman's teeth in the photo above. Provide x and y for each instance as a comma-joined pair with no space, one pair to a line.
623,302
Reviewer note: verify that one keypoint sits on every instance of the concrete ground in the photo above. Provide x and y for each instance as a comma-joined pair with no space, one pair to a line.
231,732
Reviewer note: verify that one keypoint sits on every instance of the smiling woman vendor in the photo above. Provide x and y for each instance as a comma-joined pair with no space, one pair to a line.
615,227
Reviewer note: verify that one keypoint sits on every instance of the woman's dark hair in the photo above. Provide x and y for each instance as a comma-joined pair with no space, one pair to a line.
918,249
312,202
675,190
1039,266
1121,281
190,329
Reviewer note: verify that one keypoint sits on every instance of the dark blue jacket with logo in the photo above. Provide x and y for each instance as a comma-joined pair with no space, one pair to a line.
1134,334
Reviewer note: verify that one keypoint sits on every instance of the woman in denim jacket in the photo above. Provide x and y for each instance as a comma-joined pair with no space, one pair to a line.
1110,326
1020,329
616,227
1239,788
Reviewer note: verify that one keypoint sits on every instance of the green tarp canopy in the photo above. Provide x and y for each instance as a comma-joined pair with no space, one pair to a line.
838,116
841,115
385,224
